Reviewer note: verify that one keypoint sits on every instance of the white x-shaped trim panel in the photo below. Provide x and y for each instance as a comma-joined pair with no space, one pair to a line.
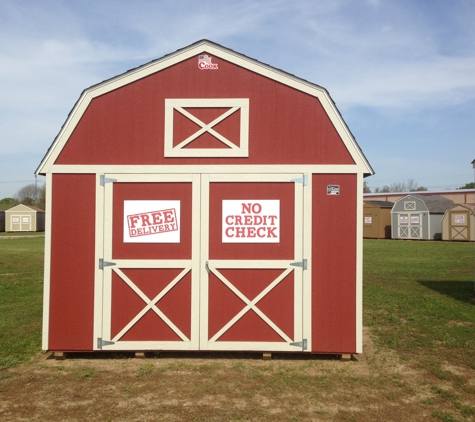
150,304
232,150
250,304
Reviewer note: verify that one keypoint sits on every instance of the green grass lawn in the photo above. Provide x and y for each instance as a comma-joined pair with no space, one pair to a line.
20,234
21,289
419,297
419,303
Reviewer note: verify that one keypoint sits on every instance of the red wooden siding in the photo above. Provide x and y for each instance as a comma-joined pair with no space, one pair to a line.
126,126
72,263
334,265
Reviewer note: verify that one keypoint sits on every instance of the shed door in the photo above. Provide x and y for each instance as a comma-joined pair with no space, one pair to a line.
410,226
251,297
459,225
171,281
150,268
20,222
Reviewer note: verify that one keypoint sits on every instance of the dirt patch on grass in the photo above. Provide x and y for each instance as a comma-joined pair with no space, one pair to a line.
375,386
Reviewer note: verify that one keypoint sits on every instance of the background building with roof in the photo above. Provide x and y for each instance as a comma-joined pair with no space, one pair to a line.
377,219
24,218
458,223
419,217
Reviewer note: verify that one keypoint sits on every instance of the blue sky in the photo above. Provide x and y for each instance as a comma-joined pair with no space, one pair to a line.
402,72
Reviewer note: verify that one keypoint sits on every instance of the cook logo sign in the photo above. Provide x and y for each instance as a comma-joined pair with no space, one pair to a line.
204,63
251,221
151,221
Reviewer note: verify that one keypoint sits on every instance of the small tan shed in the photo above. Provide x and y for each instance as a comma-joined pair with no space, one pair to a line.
24,218
458,223
377,219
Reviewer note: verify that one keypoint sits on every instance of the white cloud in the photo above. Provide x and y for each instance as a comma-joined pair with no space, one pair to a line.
389,56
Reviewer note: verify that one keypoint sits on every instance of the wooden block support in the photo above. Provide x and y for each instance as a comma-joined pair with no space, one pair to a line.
140,355
59,355
345,357
267,356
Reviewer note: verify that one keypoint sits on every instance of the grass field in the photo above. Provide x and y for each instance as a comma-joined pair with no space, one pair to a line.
21,289
418,361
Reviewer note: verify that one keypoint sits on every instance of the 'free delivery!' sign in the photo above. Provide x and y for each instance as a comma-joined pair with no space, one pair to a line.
151,221
251,221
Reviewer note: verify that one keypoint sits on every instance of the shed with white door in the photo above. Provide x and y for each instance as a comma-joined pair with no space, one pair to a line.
419,217
377,219
24,218
204,201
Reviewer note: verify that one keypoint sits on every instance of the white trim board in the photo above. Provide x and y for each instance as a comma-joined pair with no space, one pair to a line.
208,169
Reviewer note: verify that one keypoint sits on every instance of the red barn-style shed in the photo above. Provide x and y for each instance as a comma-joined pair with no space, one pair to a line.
204,201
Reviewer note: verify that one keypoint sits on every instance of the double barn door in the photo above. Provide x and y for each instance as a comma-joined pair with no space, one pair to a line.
201,262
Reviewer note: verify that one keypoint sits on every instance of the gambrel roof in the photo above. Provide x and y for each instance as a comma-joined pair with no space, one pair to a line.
435,204
216,50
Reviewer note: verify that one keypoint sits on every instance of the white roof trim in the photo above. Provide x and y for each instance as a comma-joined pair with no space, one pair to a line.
193,50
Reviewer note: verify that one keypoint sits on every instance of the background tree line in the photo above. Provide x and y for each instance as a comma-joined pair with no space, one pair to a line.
31,194
410,186
35,195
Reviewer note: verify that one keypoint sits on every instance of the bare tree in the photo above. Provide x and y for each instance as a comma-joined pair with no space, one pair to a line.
398,187
366,188
31,195
384,189
412,185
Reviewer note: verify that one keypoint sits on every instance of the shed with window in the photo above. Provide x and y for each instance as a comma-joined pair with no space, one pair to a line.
24,218
458,223
419,217
204,201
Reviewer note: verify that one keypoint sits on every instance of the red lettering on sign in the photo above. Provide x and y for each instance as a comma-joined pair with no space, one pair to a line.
251,222
153,222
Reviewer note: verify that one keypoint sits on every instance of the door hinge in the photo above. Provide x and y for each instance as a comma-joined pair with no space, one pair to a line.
302,344
105,180
103,264
302,264
101,343
303,180
207,267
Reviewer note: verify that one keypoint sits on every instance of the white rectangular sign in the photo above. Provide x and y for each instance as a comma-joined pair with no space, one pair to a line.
151,221
251,221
